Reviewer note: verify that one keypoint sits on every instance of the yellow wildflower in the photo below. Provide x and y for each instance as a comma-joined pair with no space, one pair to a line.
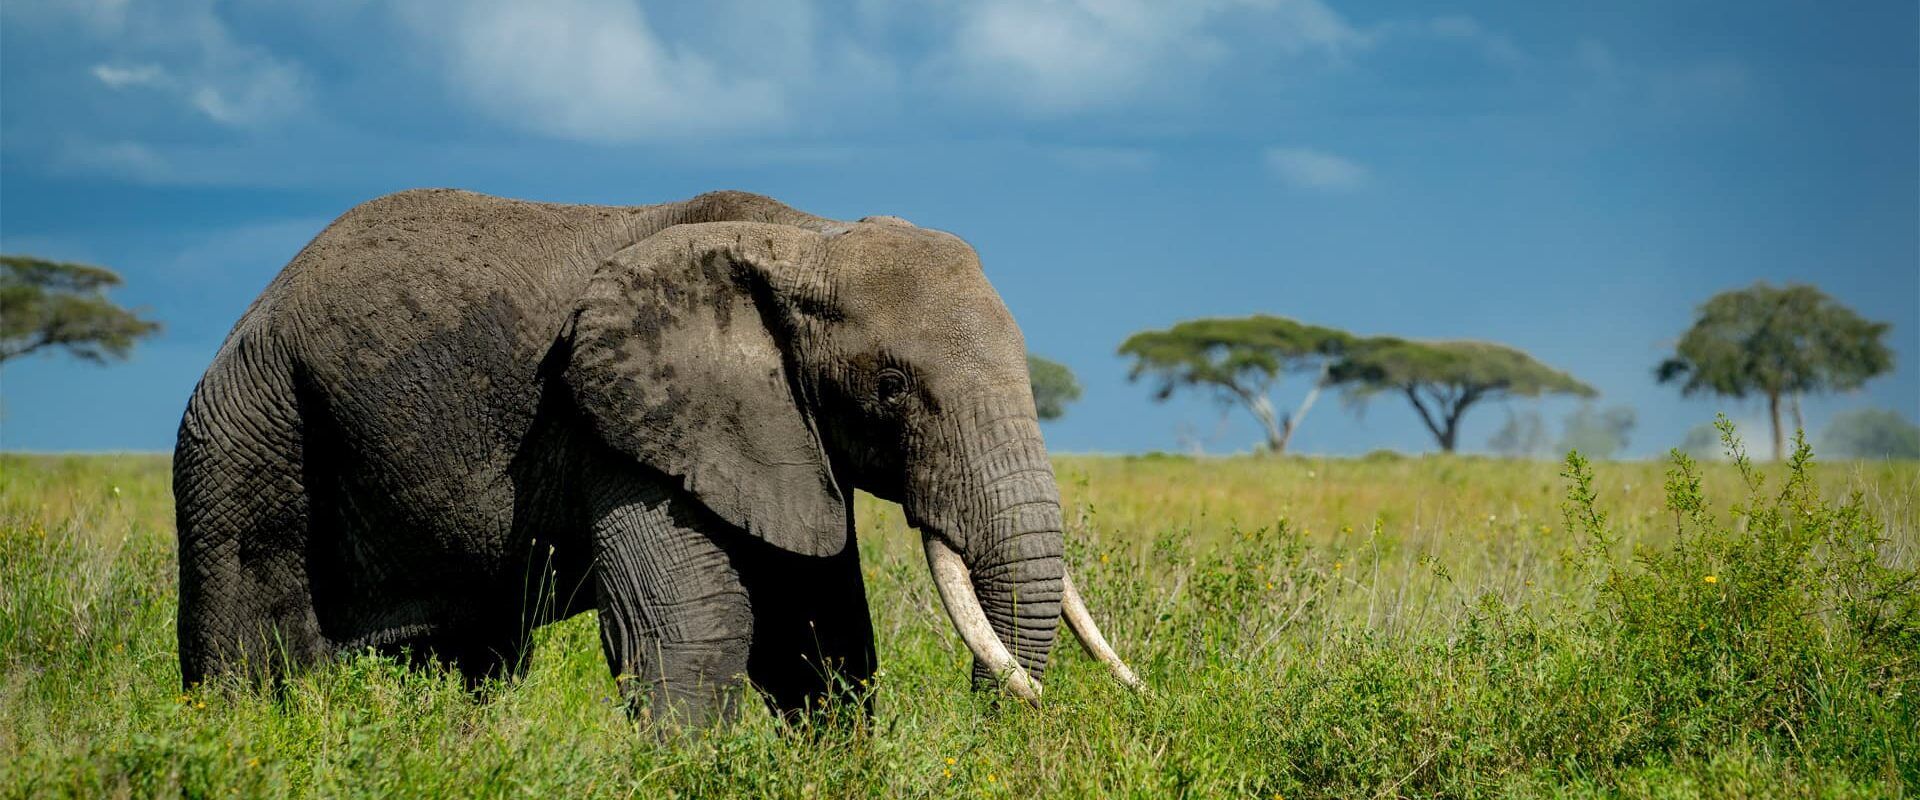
990,777
951,761
1711,579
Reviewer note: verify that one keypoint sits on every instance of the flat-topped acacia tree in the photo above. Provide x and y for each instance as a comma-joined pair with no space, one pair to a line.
1444,379
54,305
1239,360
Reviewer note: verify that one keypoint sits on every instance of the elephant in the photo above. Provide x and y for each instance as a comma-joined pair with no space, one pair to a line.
453,417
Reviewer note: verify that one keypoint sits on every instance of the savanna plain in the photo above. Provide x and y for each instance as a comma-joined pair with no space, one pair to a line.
1372,627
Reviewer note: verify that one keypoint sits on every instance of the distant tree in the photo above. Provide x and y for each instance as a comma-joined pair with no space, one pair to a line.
1702,443
1444,379
1778,343
1871,433
1595,432
49,304
1523,436
1053,386
1239,360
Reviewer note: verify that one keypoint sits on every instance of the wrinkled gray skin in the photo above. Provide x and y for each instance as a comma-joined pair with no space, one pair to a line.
454,417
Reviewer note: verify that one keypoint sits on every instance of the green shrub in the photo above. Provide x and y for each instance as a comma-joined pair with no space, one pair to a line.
1775,622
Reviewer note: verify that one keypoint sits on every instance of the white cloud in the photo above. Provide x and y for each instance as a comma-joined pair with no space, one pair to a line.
1310,25
628,71
182,51
589,69
270,93
136,75
1065,56
1062,57
1314,169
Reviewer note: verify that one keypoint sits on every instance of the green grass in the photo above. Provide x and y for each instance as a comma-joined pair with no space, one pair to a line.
1311,628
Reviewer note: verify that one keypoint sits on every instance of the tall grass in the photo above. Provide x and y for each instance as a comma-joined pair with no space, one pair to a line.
1310,627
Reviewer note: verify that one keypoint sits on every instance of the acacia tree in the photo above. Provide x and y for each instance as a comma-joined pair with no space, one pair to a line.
1053,386
1777,342
1444,379
1597,432
1871,433
49,304
1702,442
1523,436
1239,360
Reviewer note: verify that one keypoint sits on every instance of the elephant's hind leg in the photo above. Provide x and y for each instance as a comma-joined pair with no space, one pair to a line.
243,519
674,618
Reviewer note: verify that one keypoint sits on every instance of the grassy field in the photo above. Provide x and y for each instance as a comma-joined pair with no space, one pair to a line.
1337,628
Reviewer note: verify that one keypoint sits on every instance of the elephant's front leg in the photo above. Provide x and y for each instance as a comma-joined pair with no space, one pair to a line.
674,617
812,639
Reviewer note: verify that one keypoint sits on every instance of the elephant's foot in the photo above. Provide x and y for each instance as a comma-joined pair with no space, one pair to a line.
686,685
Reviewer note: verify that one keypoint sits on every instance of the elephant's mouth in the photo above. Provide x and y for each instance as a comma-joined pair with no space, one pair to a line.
955,583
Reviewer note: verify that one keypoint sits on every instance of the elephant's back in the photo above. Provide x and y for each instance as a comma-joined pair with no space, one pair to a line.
425,265
426,313
417,324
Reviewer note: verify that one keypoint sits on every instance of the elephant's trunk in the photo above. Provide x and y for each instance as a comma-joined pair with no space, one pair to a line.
993,527
955,583
984,492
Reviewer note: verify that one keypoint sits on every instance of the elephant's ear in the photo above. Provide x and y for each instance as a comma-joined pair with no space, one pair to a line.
683,359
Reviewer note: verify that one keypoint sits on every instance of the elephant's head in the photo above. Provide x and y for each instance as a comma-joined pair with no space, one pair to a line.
773,367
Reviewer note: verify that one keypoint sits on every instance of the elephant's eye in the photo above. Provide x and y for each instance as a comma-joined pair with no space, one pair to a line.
893,386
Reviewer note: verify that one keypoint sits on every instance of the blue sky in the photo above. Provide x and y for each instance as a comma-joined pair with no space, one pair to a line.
1571,179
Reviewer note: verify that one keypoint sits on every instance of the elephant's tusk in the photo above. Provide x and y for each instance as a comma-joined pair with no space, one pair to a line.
950,576
1088,633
